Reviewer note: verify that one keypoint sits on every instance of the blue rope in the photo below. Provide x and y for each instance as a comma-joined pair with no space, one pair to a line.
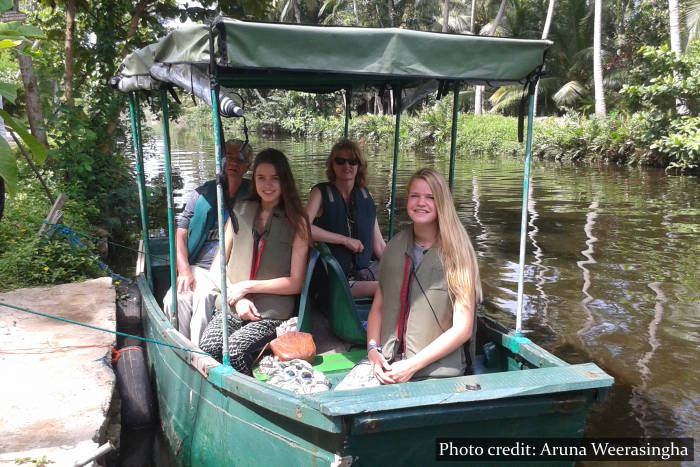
66,320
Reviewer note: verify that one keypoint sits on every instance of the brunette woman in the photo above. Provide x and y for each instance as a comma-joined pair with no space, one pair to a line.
266,246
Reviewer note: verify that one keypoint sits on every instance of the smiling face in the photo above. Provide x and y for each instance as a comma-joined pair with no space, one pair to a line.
267,183
421,203
345,171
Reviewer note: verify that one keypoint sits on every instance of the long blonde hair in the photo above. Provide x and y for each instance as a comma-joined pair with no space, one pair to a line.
456,251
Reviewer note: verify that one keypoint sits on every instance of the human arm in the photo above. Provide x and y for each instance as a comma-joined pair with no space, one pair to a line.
280,285
374,330
446,343
378,243
313,210
185,279
215,269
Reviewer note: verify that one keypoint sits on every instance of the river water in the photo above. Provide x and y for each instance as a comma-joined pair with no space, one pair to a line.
611,268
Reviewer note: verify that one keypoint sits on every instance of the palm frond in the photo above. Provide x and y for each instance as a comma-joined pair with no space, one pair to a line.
570,94
506,98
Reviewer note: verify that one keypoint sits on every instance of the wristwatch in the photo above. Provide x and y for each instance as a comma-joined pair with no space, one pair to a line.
373,346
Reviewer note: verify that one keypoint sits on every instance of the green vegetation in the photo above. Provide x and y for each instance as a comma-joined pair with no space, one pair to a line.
27,260
55,65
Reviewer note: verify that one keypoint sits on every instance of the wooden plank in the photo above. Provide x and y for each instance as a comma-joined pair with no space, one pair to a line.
55,215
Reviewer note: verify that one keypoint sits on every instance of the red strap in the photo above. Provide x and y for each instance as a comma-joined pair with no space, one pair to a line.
405,304
255,264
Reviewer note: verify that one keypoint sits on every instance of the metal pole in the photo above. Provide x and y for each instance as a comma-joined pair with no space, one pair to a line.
453,146
220,203
523,222
169,196
347,96
396,162
135,113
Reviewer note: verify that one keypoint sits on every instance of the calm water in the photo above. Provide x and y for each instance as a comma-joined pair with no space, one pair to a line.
612,264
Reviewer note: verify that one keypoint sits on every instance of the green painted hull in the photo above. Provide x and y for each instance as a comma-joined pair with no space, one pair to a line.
216,418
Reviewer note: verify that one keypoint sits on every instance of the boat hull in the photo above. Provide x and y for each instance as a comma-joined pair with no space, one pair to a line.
215,417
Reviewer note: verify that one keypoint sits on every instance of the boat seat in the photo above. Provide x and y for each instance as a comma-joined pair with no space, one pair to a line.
345,314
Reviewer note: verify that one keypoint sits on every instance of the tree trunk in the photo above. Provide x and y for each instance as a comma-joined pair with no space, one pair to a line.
479,90
297,11
445,15
354,7
31,91
471,20
674,27
545,33
68,51
139,11
597,64
675,36
390,9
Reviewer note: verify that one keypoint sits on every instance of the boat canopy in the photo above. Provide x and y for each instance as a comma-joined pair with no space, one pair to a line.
331,58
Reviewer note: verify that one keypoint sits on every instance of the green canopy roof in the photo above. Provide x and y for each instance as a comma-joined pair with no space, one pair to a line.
328,58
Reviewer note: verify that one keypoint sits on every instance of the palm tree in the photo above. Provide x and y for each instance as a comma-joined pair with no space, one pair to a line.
691,17
597,64
545,34
479,90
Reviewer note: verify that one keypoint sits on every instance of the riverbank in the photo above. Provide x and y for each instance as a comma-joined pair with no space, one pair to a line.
616,139
58,382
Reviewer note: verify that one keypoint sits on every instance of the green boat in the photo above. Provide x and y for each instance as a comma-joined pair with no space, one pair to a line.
212,415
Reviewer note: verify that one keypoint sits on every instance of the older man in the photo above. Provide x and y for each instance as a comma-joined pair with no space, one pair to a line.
196,240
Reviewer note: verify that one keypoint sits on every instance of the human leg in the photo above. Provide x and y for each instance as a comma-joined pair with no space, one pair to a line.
184,310
213,336
246,343
203,301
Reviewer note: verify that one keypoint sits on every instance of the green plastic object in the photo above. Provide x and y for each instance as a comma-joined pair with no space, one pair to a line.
328,364
343,313
304,323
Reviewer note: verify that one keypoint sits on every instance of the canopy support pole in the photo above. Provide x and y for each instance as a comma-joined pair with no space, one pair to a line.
219,144
397,132
348,99
453,146
523,222
134,111
169,197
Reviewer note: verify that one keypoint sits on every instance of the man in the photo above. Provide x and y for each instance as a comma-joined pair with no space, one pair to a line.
196,241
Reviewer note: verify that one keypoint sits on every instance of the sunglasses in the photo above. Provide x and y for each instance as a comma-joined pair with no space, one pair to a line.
343,161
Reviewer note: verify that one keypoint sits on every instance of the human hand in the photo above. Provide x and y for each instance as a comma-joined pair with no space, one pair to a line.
379,364
186,282
353,245
246,310
237,291
401,371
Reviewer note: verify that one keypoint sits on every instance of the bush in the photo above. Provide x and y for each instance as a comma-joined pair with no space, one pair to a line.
26,260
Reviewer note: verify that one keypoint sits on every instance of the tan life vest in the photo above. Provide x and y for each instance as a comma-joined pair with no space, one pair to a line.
275,258
422,326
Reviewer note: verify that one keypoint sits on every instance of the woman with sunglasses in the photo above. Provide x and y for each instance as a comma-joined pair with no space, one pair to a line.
266,247
344,217
423,312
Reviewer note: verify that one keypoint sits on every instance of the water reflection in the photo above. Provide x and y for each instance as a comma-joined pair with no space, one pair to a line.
639,318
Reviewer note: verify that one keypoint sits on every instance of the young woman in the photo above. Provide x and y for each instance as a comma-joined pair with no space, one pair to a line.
344,217
266,247
423,312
